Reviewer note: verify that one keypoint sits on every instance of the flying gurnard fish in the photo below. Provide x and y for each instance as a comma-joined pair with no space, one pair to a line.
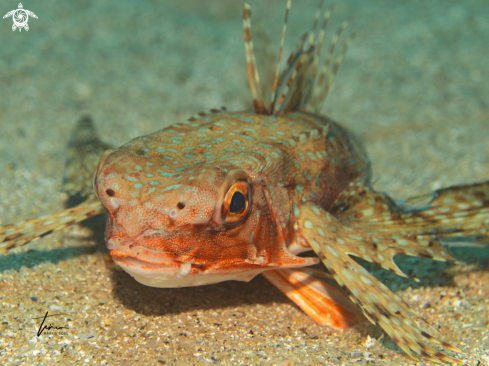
229,195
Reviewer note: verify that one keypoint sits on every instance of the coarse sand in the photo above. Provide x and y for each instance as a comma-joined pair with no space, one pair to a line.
414,86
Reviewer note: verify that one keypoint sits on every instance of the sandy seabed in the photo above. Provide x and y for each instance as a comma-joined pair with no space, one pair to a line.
413,86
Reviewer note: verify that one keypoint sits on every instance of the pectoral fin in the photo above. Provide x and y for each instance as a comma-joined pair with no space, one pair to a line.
334,242
83,155
309,290
460,211
16,235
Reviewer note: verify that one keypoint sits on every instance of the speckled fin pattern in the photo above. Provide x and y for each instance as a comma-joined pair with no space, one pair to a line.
299,85
83,154
360,223
371,226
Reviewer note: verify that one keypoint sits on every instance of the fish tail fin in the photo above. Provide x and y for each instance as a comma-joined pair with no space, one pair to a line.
309,290
19,234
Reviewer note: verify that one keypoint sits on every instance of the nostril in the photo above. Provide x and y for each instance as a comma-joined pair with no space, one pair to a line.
181,205
110,192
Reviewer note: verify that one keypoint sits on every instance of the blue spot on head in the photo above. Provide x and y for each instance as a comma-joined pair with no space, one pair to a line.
175,186
173,150
189,148
247,137
160,149
218,140
190,156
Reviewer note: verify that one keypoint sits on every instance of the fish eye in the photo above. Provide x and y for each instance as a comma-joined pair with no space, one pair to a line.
236,204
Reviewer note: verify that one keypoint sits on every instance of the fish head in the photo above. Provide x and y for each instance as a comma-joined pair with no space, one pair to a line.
195,224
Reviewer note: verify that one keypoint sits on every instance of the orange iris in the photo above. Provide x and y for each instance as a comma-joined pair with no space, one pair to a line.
236,203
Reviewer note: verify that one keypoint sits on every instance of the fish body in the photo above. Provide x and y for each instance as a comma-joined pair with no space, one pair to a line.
165,194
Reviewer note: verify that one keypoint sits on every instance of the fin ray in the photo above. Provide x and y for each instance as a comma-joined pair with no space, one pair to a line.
297,86
322,302
16,235
333,243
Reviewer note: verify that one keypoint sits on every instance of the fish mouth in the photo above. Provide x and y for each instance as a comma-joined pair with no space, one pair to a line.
158,268
136,263
155,272
168,273
147,265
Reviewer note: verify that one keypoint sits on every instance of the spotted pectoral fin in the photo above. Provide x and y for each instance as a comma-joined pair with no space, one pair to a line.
16,235
460,211
308,289
334,243
83,154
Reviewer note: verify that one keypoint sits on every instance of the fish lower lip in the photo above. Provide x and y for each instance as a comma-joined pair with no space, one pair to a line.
132,262
136,266
159,260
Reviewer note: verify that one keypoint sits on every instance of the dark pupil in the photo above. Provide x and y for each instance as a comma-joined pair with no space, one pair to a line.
237,202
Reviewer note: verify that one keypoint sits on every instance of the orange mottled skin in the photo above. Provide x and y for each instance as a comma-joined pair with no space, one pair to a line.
226,196
170,184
